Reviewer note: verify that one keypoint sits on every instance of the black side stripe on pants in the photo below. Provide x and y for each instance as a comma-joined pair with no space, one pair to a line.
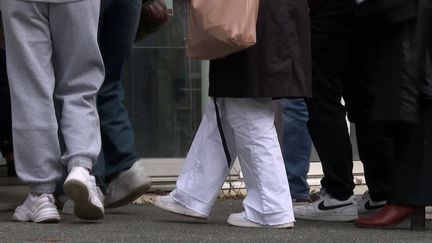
219,124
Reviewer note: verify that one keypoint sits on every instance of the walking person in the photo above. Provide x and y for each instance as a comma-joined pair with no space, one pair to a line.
242,86
337,63
401,77
53,55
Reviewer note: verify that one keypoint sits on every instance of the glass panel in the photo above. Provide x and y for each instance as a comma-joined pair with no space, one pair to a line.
163,90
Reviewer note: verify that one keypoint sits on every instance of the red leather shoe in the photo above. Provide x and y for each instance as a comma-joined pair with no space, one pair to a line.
392,215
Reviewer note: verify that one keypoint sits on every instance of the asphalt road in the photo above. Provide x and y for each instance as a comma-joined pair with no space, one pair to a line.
146,223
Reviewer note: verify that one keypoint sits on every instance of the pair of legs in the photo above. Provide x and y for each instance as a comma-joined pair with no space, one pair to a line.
332,59
53,55
296,147
116,171
250,136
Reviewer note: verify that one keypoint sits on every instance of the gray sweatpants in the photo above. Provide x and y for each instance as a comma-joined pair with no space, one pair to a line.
53,54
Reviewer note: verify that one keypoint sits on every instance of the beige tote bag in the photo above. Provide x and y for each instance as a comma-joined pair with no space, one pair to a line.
218,28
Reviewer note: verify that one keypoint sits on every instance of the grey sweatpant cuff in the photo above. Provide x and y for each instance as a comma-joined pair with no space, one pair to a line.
80,161
47,188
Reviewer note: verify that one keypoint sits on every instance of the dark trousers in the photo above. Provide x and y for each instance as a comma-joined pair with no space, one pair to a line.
332,25
410,177
5,109
117,30
410,174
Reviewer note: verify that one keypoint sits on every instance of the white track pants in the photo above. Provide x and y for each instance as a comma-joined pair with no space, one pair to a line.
248,126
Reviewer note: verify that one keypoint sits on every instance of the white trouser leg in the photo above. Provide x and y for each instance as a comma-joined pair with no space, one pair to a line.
206,167
250,134
268,199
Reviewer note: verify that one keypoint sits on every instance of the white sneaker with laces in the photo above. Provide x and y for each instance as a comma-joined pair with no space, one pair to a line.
367,206
80,187
38,209
239,220
69,205
327,208
168,203
127,186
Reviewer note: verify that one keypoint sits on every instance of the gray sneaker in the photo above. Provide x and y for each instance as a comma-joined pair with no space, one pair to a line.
128,186
327,208
367,206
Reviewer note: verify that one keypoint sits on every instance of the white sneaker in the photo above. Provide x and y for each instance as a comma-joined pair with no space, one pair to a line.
69,205
238,219
169,204
38,209
80,187
328,209
127,186
367,206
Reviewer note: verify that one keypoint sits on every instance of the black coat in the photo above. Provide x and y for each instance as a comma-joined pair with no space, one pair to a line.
395,62
278,65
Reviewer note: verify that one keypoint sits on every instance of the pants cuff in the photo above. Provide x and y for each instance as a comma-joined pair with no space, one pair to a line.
80,161
47,188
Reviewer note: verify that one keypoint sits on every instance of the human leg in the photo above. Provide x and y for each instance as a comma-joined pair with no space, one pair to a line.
117,29
32,83
268,201
248,126
409,174
126,179
205,167
376,153
296,146
327,124
407,198
79,73
330,21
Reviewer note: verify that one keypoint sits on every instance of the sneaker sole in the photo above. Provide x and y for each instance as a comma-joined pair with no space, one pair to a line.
179,212
131,196
48,220
84,208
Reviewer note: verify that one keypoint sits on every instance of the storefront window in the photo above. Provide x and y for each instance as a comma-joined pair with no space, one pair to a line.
163,90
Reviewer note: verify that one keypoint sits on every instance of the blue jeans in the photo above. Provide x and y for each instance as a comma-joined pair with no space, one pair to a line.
296,146
117,30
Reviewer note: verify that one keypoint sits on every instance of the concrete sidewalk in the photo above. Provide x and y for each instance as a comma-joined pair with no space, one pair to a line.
146,223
